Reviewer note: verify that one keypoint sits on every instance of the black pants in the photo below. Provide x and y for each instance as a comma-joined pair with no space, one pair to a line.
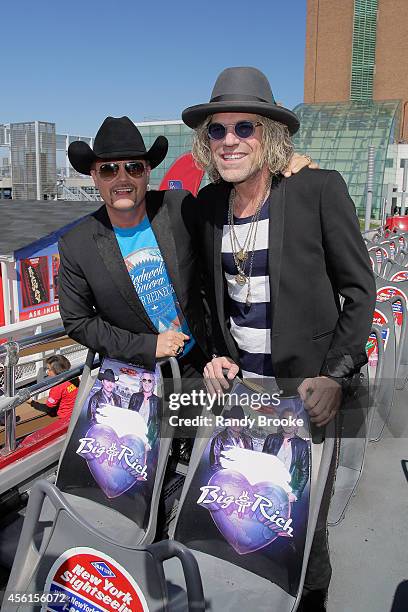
319,571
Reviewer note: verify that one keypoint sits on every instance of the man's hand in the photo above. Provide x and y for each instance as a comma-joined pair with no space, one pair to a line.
322,397
214,377
170,343
297,162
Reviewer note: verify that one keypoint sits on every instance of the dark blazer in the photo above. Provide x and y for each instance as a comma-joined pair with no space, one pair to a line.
316,252
137,400
299,465
98,397
98,303
135,404
225,440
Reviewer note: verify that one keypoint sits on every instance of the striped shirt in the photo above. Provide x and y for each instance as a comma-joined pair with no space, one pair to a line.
250,325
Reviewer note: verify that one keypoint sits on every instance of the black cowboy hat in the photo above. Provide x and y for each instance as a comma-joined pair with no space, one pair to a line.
117,138
235,412
241,90
109,375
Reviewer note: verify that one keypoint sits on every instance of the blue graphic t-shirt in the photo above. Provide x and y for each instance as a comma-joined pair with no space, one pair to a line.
152,284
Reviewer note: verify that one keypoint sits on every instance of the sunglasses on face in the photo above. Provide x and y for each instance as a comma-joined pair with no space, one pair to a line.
108,171
242,129
148,380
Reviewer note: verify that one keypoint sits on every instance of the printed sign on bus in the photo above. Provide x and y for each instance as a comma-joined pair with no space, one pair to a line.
372,347
92,581
387,292
113,451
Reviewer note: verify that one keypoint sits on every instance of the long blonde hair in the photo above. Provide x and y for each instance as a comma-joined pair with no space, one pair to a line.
276,147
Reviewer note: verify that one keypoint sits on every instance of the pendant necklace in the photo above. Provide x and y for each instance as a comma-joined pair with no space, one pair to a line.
240,253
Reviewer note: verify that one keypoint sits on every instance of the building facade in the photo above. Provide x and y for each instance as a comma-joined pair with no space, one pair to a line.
33,160
356,50
179,136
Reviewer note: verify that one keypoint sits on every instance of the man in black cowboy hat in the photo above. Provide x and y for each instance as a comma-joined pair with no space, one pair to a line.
128,282
105,395
277,253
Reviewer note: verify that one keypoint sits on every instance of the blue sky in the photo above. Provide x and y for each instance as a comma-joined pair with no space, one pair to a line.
74,62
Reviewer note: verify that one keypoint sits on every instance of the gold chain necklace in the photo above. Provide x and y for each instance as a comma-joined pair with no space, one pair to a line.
240,254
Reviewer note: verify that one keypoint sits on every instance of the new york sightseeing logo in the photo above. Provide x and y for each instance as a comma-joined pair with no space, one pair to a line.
92,581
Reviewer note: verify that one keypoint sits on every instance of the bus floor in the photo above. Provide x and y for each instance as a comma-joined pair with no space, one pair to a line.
369,548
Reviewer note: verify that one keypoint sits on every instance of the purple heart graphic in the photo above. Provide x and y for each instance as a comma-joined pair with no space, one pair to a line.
250,525
113,471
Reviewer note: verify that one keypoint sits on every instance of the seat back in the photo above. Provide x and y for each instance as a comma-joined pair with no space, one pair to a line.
394,245
81,567
352,448
114,461
377,255
393,271
397,292
388,246
359,415
236,504
383,391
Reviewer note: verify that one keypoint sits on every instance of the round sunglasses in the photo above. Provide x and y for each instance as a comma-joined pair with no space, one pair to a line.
108,171
242,129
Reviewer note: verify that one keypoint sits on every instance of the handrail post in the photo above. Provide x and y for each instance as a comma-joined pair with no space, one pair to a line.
10,362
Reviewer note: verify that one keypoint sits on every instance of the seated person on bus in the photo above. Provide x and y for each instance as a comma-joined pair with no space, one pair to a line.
61,398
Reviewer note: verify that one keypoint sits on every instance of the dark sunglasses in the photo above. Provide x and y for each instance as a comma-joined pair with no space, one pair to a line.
108,171
149,380
242,129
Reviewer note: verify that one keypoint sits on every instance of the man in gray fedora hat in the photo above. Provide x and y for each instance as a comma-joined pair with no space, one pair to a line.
277,254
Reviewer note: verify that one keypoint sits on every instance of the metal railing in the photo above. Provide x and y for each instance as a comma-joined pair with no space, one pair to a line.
29,367
10,354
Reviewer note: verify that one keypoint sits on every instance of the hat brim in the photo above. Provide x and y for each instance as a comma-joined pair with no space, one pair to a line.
81,156
102,377
193,116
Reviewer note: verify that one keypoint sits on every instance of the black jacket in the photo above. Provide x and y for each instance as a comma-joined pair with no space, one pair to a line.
299,465
99,305
137,400
225,439
135,403
98,398
316,252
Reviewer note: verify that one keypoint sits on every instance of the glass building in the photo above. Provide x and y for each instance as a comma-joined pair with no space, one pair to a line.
179,136
33,160
338,136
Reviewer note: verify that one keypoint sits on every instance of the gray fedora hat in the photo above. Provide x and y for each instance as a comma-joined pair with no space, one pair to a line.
241,90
